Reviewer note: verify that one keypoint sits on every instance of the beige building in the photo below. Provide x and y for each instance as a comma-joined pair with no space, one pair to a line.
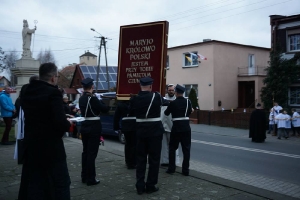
88,59
231,77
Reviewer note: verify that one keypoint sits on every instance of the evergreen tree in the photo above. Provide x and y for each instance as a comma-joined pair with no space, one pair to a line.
281,73
193,99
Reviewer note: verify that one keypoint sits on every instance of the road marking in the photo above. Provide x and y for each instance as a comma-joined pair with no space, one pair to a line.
247,149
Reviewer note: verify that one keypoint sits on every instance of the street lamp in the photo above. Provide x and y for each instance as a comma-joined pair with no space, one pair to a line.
102,43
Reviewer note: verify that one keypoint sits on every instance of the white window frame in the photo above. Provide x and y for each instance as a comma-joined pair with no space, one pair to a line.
195,86
297,35
195,62
294,104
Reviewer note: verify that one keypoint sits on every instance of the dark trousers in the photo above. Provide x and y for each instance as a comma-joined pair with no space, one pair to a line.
45,183
8,122
296,129
184,138
91,142
130,148
151,147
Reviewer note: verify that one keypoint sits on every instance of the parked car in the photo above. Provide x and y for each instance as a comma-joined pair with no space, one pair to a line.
107,119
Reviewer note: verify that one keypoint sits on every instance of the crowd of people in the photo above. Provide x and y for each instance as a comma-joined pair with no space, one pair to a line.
153,125
280,123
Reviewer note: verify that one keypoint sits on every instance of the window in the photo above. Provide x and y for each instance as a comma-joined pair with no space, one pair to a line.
251,60
167,62
294,96
294,42
88,57
188,89
190,59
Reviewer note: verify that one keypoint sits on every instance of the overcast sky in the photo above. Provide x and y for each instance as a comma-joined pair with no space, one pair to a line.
64,26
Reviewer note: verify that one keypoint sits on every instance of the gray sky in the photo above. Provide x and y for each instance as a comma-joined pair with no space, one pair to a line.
64,26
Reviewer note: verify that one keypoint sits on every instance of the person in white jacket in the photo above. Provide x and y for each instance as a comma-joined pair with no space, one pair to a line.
167,124
296,122
271,121
288,125
281,124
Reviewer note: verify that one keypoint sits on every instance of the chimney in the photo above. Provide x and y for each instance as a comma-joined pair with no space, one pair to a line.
206,40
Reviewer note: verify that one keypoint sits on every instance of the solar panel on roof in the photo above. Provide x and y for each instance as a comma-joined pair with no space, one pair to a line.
83,69
91,71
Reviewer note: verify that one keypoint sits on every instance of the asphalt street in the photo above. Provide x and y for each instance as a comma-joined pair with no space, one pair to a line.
276,159
229,153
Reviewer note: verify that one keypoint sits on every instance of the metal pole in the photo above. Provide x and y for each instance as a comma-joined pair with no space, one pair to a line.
98,68
107,75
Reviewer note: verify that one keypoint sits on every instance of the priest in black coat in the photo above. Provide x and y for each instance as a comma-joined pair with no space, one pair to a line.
45,173
258,121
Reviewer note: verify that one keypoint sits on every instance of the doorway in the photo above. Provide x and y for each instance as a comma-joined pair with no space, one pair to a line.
246,94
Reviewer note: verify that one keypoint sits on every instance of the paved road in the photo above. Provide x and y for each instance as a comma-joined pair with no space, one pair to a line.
229,153
274,159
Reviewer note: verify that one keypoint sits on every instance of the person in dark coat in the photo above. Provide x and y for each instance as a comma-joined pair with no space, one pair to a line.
91,128
44,174
257,126
67,108
128,128
180,109
149,129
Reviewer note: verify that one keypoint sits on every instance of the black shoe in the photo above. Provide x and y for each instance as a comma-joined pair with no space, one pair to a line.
139,192
185,173
95,182
170,172
152,189
83,180
279,138
165,165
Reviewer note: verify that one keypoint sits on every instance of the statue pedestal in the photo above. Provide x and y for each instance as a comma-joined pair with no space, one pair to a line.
25,68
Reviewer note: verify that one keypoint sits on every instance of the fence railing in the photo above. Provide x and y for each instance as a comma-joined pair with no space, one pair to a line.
252,71
225,118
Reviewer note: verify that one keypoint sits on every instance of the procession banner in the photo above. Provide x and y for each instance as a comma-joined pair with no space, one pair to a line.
142,52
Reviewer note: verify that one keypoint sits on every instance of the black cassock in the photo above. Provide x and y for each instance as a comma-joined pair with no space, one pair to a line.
257,127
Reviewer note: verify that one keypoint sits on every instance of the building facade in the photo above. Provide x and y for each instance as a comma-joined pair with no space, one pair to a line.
88,59
285,34
230,78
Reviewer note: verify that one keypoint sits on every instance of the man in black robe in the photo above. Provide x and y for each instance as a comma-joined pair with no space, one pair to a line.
258,121
45,173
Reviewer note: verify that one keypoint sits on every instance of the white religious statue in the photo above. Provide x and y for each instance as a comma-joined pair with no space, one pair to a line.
26,35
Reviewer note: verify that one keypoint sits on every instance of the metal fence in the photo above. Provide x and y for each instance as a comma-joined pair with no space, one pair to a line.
254,71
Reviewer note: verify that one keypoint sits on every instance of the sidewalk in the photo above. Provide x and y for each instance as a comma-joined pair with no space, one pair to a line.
117,182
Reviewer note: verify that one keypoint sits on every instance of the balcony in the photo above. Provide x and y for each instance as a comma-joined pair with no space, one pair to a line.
252,71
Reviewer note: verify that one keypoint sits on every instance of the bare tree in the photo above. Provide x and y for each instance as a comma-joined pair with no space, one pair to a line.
2,60
46,56
10,62
11,59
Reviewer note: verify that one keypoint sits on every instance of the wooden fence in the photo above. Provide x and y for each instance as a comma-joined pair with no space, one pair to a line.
225,118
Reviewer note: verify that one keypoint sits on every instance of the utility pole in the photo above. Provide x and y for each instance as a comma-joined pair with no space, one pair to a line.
102,43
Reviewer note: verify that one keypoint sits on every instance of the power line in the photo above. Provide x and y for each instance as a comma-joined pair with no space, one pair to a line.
218,12
54,50
62,37
233,15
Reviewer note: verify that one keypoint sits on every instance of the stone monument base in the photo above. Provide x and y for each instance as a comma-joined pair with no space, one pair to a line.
25,68
27,63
